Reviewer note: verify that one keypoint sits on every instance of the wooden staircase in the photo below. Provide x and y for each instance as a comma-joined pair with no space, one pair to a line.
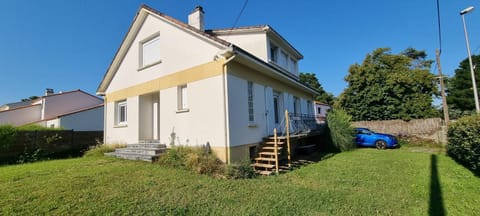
266,162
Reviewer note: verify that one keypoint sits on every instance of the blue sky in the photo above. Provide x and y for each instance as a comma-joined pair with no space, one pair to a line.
67,45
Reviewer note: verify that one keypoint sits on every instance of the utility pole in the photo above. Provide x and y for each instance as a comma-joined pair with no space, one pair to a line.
442,89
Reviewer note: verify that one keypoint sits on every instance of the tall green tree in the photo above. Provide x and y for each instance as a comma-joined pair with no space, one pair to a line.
390,86
460,88
311,80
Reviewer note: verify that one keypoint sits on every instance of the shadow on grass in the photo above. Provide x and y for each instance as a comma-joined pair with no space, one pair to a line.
436,200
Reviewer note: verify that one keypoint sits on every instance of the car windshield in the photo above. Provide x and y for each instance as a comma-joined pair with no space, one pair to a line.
365,131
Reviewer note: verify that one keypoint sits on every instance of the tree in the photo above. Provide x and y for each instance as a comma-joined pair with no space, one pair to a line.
390,86
460,91
30,98
311,80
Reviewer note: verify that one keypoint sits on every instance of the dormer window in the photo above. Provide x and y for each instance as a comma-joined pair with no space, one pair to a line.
273,53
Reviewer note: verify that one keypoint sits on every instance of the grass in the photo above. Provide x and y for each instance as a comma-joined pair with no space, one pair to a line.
362,182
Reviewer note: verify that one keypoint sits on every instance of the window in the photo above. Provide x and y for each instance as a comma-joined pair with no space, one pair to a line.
121,113
273,52
283,61
296,105
182,98
251,116
309,108
150,51
292,65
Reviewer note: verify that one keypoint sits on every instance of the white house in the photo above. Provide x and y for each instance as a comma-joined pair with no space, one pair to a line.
75,110
178,83
321,110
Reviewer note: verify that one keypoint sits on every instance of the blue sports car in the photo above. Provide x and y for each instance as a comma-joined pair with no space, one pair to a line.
368,138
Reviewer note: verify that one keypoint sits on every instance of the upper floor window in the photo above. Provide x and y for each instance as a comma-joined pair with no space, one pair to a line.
296,105
273,52
150,51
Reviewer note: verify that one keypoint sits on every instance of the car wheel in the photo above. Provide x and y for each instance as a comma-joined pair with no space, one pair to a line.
380,144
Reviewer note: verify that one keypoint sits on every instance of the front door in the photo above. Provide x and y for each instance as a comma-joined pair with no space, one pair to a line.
277,109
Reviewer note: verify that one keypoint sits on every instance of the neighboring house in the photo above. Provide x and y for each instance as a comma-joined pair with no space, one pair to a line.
321,110
178,83
76,110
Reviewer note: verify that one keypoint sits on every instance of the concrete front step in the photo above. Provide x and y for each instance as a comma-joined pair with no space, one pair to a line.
140,151
147,145
145,151
148,158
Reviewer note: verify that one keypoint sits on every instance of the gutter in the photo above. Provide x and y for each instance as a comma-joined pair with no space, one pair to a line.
229,55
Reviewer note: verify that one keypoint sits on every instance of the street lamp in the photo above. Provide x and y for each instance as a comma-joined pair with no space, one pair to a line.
475,94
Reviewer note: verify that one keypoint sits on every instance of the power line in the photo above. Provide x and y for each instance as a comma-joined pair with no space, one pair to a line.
439,27
240,14
238,18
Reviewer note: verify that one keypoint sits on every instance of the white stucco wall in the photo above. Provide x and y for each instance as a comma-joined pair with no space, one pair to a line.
124,134
204,120
202,123
179,50
254,43
89,120
21,116
241,130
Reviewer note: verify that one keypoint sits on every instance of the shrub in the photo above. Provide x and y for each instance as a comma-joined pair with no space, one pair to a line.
35,127
7,136
199,160
243,170
340,131
464,142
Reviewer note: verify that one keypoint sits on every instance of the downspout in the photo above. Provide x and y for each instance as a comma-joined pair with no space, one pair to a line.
225,108
104,119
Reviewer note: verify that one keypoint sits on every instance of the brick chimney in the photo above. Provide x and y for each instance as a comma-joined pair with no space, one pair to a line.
195,18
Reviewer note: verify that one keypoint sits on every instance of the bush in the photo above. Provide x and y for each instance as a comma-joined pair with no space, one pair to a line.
464,142
199,160
7,136
35,127
243,170
339,130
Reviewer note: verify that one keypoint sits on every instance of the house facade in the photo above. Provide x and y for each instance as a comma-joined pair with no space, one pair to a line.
73,110
180,84
321,110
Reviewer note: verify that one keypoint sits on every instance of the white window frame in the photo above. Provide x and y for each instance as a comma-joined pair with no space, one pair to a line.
119,119
182,98
273,54
154,38
250,100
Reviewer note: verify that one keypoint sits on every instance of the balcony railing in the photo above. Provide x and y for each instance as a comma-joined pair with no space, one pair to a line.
302,124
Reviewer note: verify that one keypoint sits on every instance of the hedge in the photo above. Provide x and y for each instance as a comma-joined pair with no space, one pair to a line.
464,142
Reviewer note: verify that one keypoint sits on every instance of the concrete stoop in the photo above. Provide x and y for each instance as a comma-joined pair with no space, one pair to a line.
145,151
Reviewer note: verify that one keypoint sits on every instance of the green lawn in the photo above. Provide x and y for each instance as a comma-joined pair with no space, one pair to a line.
363,182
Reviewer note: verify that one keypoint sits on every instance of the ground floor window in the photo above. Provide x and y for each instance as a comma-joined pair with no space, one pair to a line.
121,112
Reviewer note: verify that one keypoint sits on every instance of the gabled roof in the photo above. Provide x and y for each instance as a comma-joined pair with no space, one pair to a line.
255,29
210,35
140,17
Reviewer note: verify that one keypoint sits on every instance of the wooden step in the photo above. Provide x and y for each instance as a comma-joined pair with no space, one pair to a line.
271,148
273,143
268,153
264,159
268,166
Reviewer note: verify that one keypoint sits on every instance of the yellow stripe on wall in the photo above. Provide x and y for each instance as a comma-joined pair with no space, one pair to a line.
193,74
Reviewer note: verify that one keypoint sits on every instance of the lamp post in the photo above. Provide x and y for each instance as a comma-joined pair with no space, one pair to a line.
475,94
